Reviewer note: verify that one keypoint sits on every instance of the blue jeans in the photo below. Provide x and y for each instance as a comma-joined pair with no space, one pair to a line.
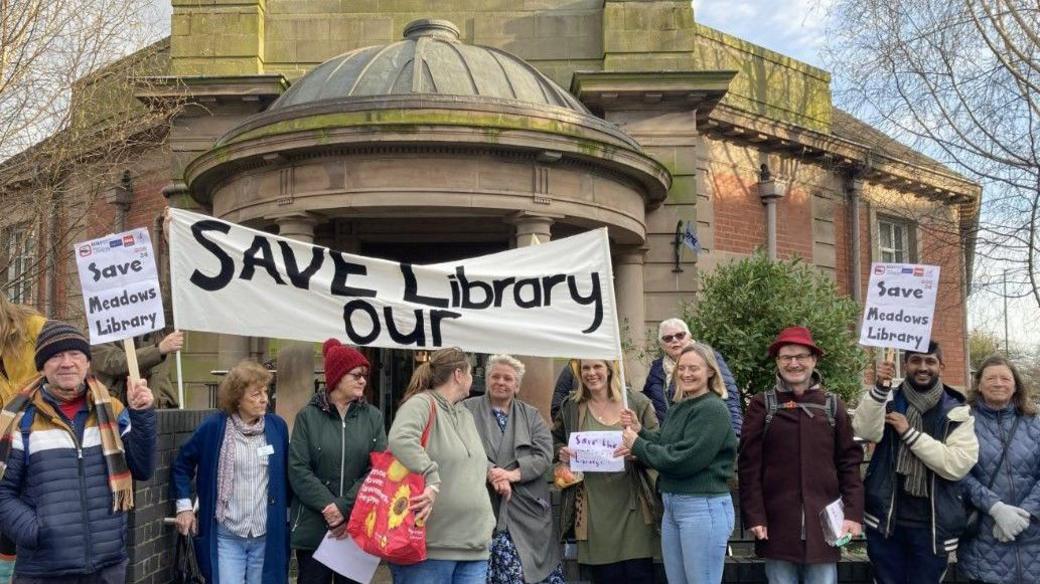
694,534
440,572
781,572
240,560
905,556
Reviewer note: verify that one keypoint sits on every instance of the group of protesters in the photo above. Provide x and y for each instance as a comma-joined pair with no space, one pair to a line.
947,474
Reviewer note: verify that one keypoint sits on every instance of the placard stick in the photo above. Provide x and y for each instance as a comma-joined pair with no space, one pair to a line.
889,356
131,362
180,382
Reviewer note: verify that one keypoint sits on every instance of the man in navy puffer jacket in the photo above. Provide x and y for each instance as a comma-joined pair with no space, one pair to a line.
67,486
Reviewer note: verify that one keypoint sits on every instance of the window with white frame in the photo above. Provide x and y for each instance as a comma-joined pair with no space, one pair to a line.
894,241
20,249
895,246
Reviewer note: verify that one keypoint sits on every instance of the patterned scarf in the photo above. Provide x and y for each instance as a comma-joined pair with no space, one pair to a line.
668,364
906,463
226,462
119,479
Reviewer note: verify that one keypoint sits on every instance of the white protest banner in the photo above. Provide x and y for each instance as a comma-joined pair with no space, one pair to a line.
900,306
550,300
594,451
120,286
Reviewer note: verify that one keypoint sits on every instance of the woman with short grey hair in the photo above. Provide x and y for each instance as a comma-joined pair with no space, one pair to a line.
673,335
519,452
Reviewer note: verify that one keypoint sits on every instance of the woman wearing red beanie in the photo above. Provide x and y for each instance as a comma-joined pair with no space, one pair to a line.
328,457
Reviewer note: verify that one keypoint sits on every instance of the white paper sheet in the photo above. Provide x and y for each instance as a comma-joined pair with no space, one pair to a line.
344,557
594,451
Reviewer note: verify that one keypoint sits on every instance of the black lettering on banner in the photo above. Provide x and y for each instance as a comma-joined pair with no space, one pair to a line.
352,307
344,269
547,285
411,288
227,265
266,261
536,293
500,289
301,279
595,298
467,287
416,337
436,316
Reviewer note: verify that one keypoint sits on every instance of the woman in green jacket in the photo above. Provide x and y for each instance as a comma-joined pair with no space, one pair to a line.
694,452
612,515
328,458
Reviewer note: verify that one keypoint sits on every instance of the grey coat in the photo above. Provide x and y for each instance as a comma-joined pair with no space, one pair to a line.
527,516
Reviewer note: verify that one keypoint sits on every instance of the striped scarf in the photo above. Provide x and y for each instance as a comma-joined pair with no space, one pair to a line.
119,480
226,462
907,463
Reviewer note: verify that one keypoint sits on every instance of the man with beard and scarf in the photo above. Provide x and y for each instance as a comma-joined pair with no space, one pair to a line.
797,455
926,443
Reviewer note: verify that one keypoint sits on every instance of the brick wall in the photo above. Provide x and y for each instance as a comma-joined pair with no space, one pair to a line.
152,543
740,218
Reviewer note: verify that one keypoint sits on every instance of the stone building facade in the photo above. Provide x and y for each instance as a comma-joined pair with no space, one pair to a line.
426,131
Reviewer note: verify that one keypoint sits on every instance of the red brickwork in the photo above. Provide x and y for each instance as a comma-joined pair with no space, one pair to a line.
740,218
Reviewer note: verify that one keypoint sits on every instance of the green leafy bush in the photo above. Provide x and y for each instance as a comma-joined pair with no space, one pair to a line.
742,306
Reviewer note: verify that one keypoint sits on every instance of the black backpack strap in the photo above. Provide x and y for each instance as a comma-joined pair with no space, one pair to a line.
832,409
772,404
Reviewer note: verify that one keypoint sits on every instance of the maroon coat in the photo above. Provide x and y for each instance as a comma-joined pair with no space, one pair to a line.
802,464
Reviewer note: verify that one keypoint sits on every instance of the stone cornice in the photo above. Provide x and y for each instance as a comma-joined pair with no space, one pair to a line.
612,90
210,89
869,163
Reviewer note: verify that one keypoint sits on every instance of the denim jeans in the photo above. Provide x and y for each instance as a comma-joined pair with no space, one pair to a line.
440,572
905,556
240,560
694,534
781,572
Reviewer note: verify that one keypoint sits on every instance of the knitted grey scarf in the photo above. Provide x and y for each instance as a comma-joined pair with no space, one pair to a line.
906,463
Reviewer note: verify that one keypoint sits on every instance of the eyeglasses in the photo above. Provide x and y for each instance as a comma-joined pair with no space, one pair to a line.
357,376
677,336
788,359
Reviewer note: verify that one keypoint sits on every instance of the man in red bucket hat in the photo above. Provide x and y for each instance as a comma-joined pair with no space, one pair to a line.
797,456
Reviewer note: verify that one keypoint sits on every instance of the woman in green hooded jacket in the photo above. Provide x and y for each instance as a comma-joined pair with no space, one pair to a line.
329,458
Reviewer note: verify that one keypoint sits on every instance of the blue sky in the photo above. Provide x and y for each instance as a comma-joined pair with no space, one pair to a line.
793,27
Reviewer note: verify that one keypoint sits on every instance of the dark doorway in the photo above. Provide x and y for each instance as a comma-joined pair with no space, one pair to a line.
392,368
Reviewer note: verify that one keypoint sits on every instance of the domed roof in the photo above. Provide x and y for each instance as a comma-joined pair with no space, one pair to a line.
430,60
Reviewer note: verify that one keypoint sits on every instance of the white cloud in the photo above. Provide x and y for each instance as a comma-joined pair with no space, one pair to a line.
793,27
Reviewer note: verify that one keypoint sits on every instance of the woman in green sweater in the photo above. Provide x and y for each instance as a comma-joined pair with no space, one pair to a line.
455,504
694,452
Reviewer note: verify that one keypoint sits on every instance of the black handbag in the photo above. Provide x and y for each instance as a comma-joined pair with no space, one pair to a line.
186,566
971,525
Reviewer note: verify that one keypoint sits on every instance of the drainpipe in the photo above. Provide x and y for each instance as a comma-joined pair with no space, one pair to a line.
770,192
854,192
119,196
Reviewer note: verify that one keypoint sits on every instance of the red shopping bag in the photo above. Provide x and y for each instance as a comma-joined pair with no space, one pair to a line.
380,522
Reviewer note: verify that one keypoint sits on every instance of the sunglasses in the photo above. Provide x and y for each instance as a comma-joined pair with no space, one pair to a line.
676,336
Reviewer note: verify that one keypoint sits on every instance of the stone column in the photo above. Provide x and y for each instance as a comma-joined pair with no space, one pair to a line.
537,387
295,358
628,286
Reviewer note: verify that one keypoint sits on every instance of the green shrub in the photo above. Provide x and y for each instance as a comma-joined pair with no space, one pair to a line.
742,306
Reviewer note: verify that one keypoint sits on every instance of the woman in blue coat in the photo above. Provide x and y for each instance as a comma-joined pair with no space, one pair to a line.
1005,484
239,459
